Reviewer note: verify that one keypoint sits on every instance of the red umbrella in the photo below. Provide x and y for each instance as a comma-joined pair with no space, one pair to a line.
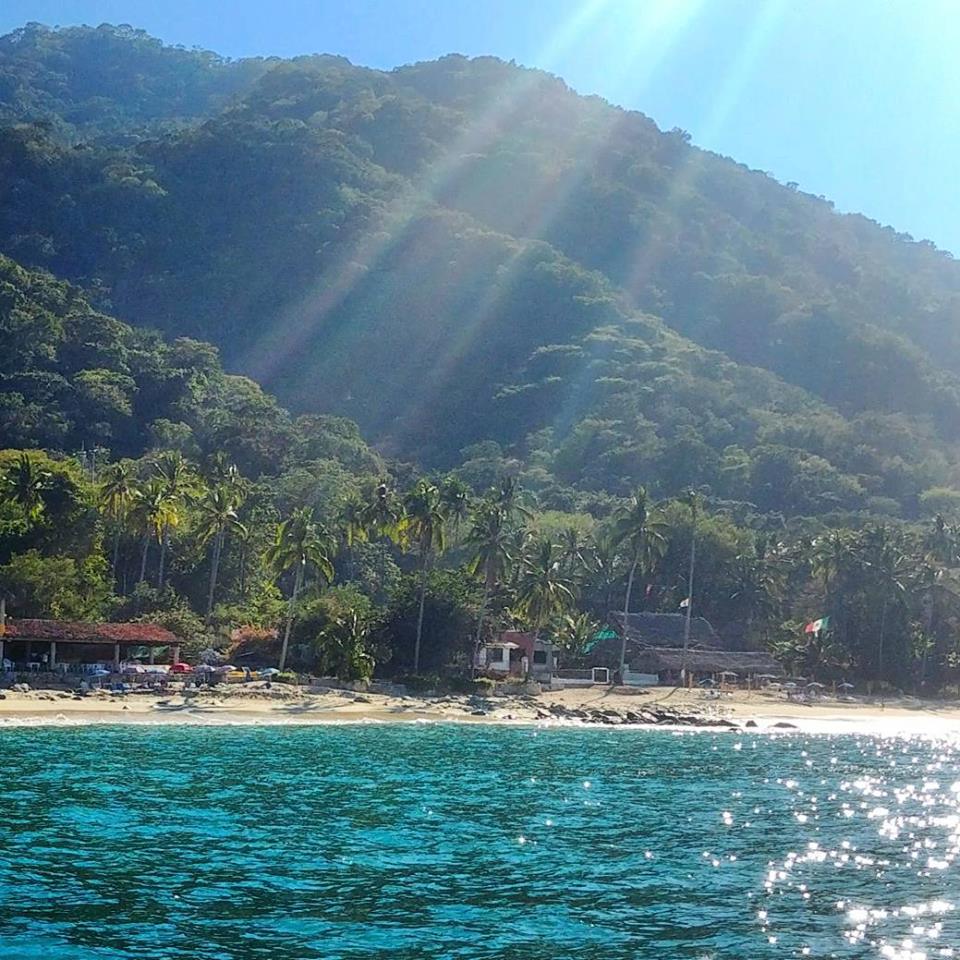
181,668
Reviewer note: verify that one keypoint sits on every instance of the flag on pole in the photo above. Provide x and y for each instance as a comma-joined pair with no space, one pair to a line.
815,626
684,603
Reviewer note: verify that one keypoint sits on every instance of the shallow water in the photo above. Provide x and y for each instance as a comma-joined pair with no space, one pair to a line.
294,843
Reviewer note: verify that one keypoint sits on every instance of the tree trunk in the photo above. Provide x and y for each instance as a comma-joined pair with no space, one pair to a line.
163,556
382,570
297,583
626,617
214,568
143,557
116,550
883,623
423,597
487,590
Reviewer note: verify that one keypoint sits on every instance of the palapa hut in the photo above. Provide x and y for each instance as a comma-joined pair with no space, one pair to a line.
666,663
654,651
45,643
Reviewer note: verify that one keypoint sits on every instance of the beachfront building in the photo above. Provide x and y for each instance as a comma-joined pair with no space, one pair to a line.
654,652
517,654
718,666
50,645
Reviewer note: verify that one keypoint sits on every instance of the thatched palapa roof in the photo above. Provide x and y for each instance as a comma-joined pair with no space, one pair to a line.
64,631
745,663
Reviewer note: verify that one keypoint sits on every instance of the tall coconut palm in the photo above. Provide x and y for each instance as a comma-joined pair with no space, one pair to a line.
300,544
603,562
426,527
573,552
489,538
353,528
152,511
455,498
217,509
116,499
25,483
383,519
545,591
643,538
177,482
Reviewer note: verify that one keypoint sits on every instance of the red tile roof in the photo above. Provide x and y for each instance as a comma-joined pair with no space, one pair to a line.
131,634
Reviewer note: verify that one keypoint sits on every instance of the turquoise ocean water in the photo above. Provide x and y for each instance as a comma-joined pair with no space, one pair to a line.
294,843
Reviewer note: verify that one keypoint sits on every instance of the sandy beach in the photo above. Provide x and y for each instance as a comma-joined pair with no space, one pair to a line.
257,705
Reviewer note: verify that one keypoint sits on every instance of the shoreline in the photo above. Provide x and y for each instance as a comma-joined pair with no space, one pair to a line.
254,706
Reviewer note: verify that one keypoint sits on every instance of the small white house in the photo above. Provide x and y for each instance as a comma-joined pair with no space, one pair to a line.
516,654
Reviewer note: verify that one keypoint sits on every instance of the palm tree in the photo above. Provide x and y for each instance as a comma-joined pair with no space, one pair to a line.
602,567
299,544
353,527
758,579
217,509
25,483
426,524
644,540
116,498
177,482
489,538
383,518
889,569
545,591
573,552
455,499
152,510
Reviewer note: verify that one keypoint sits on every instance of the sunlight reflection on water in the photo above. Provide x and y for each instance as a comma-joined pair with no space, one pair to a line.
476,842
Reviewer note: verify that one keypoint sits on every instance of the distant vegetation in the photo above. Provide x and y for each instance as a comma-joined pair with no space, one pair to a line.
487,277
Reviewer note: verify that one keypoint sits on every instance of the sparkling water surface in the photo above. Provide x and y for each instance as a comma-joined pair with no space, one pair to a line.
294,843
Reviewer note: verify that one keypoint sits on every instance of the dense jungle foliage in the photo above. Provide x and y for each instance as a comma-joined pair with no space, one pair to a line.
488,278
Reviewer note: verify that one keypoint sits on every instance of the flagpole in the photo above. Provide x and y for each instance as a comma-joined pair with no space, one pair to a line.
693,560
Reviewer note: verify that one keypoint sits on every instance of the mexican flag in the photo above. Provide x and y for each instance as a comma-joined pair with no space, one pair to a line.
815,626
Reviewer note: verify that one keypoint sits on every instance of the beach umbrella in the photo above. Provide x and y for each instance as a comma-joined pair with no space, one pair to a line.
180,668
730,673
224,668
814,685
203,668
708,682
790,685
269,672
844,686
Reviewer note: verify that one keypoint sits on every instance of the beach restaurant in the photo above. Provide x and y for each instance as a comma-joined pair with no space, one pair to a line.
49,644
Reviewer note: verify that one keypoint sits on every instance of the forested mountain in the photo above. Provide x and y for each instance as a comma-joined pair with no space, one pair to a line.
112,83
72,379
464,251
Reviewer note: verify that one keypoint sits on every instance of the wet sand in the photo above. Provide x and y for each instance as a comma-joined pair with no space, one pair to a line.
254,704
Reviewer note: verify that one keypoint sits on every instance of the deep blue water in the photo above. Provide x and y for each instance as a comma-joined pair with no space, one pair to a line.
293,843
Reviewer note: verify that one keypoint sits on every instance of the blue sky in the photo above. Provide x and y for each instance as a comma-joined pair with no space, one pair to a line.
853,99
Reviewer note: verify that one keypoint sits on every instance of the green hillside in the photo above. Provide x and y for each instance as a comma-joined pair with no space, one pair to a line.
465,251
